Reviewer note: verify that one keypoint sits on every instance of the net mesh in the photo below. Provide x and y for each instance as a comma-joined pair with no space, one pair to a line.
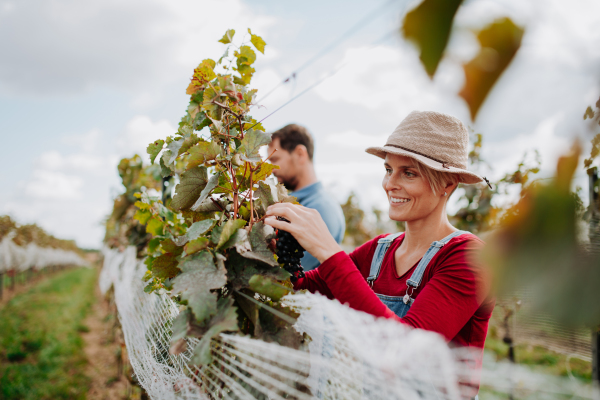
32,256
350,354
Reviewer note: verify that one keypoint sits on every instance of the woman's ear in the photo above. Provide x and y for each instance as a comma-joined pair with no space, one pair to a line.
450,187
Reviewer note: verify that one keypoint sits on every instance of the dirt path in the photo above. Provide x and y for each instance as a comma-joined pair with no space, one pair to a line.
102,352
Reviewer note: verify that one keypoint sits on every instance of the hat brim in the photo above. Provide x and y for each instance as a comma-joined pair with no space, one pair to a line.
466,176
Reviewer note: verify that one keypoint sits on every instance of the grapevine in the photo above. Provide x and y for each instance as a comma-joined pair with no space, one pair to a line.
207,246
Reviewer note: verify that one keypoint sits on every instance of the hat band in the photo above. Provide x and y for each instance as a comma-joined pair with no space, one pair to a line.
444,163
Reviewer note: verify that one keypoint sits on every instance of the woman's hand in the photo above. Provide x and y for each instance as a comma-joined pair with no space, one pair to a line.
307,226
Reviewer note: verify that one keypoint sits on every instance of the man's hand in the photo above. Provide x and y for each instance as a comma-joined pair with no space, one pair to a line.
307,226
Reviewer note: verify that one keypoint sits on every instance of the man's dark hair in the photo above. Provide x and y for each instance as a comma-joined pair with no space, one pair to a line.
292,135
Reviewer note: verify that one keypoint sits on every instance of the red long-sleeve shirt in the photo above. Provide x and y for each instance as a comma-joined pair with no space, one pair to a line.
452,298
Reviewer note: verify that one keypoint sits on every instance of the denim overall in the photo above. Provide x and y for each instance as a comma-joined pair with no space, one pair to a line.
401,305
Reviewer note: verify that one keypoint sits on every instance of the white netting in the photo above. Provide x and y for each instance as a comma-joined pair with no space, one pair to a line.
351,355
32,256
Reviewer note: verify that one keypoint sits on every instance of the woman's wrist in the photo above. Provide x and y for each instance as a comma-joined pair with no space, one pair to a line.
323,253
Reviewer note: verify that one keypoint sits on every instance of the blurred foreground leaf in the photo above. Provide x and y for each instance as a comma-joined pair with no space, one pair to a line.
536,250
428,25
499,43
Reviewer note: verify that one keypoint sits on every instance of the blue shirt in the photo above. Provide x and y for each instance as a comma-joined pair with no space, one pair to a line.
314,196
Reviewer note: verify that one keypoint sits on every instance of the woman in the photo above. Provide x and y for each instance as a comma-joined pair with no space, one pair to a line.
424,277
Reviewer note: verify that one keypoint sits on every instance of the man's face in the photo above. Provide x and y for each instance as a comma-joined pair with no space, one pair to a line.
288,165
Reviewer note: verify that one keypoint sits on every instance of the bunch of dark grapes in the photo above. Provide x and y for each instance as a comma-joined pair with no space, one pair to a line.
289,252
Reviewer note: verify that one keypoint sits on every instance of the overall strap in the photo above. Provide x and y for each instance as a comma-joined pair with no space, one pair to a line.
415,279
383,245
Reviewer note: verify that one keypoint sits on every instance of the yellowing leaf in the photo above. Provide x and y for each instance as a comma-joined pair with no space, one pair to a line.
141,205
189,188
155,227
499,44
429,25
257,41
142,216
228,36
202,74
194,246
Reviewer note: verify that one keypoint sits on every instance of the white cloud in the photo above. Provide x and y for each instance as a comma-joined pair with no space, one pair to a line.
139,132
54,185
356,140
81,162
69,46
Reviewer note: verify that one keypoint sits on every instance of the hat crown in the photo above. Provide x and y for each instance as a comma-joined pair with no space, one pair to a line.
440,137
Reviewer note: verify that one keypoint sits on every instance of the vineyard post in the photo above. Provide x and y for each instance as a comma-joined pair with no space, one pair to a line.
165,185
593,233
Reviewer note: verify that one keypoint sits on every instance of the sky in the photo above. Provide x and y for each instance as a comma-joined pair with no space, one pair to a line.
83,84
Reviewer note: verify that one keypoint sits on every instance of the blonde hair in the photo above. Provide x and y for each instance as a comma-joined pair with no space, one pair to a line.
437,179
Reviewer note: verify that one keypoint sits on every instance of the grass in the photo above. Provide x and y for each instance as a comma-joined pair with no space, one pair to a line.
542,359
41,350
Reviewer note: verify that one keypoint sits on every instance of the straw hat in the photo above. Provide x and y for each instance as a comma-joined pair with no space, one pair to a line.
437,140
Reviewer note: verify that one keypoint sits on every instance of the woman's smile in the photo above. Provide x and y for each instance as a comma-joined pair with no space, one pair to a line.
398,200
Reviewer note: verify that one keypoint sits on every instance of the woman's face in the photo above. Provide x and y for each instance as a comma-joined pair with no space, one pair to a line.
409,194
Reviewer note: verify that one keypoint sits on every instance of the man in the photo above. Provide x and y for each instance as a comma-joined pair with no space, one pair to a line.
294,156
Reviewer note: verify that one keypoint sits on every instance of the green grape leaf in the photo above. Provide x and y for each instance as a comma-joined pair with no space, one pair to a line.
194,231
201,121
266,286
155,226
165,266
200,275
167,214
257,41
188,141
155,148
499,42
153,245
225,320
229,230
170,154
180,331
195,245
429,25
259,250
283,196
212,205
211,184
164,170
169,247
228,36
203,152
267,193
189,188
253,140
